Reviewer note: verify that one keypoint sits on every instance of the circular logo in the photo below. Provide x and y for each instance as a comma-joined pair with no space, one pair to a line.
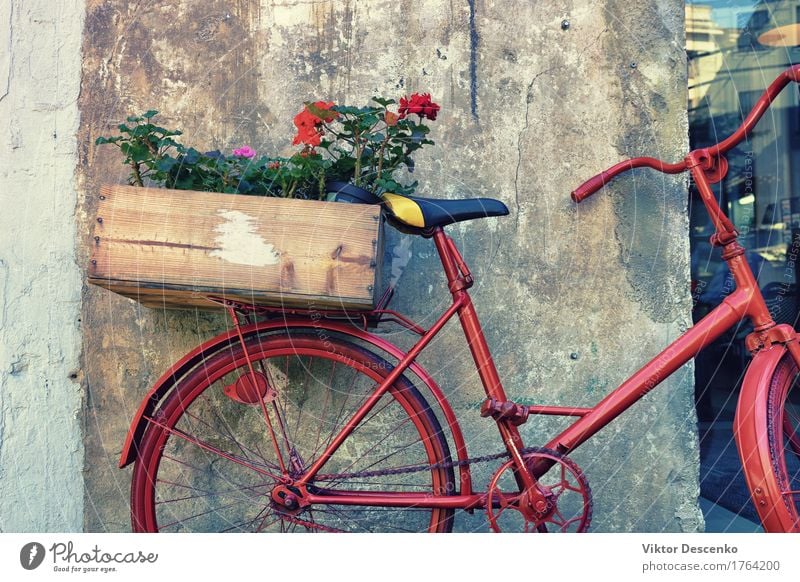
31,555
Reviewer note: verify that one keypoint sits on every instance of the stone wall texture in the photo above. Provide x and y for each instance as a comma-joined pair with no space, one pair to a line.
573,298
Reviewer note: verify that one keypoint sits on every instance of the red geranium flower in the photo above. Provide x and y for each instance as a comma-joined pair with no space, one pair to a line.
308,130
308,123
420,104
322,110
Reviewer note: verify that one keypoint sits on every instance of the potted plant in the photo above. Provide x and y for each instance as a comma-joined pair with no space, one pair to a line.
253,227
364,147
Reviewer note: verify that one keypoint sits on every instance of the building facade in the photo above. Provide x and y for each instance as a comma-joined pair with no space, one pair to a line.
536,98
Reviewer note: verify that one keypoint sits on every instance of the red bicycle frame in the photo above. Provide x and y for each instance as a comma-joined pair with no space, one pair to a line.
768,342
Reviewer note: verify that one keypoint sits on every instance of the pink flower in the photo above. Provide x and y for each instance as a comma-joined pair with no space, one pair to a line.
245,152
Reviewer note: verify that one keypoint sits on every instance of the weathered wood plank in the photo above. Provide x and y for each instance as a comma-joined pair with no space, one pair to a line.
174,247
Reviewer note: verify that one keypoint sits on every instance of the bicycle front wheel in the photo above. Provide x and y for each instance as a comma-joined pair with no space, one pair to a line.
215,451
783,424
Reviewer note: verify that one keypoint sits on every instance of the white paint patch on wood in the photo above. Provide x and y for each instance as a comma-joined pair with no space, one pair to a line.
239,242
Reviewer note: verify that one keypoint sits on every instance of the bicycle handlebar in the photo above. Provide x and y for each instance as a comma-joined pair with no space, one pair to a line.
595,183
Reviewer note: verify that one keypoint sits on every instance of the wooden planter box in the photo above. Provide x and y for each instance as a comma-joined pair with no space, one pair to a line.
173,248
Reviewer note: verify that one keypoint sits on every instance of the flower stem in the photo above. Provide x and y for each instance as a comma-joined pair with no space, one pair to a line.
137,174
357,171
380,155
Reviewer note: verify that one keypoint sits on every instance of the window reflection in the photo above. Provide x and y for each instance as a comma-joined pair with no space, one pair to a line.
735,48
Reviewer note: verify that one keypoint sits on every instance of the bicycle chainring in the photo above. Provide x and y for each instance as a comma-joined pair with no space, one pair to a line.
568,498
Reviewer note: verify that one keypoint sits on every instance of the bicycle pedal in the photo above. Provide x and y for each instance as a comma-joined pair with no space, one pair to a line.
511,411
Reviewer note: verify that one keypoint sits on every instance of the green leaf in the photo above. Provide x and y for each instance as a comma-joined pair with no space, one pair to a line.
166,164
191,156
167,142
135,152
418,133
384,102
184,183
368,120
150,113
142,130
324,114
348,110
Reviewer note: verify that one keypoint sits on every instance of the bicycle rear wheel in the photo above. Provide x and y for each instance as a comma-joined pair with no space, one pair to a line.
783,424
208,462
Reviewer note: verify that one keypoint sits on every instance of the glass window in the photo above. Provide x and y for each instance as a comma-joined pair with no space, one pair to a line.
735,48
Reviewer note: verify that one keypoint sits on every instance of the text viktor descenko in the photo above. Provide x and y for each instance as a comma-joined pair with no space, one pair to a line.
688,549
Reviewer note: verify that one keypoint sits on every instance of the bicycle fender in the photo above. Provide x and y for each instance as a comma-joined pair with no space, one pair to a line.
168,380
752,438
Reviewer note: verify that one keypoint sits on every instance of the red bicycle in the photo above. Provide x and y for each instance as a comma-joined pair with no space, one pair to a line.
306,420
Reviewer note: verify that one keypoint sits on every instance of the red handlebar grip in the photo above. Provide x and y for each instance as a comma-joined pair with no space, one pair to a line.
794,73
589,187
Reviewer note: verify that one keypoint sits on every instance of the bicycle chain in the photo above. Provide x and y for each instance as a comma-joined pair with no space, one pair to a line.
444,465
451,464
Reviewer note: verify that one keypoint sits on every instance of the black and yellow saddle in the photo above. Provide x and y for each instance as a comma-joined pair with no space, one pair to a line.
427,213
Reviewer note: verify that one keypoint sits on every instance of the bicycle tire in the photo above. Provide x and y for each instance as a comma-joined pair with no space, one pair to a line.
783,426
216,479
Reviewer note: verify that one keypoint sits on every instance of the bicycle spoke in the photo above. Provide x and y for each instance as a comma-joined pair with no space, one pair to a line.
212,493
180,485
195,516
263,525
184,463
229,435
792,434
391,454
244,523
271,384
213,449
324,407
339,516
382,459
198,469
341,477
272,436
339,419
305,390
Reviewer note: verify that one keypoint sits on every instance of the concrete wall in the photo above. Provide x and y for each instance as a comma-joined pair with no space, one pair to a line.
572,299
41,451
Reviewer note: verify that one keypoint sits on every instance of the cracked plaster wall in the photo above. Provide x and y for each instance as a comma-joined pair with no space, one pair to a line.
41,448
573,299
